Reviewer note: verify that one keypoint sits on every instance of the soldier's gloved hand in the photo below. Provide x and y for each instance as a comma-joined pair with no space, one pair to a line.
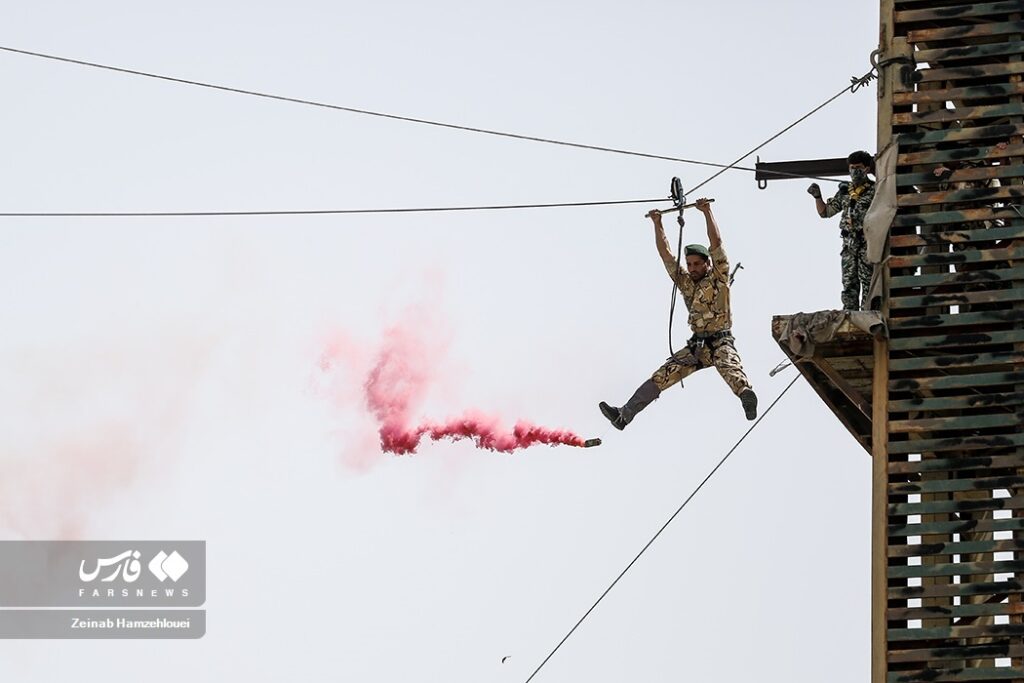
814,191
844,188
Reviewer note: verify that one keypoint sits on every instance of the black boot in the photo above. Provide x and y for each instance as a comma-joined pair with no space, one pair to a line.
620,417
749,400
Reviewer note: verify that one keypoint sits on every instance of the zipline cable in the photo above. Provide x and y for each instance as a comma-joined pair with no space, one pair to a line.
855,85
316,212
663,527
395,117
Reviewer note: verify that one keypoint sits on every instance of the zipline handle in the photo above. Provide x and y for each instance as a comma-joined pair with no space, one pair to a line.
677,208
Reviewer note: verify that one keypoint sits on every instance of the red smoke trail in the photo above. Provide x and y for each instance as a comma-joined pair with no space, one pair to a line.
398,382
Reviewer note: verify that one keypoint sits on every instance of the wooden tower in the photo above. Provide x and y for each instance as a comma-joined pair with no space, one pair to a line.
939,403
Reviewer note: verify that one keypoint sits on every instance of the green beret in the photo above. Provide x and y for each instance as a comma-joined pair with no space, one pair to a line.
697,250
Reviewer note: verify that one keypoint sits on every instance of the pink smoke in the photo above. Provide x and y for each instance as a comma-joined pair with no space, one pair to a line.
399,381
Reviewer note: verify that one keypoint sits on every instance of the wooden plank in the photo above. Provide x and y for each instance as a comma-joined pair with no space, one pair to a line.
957,361
977,153
966,73
975,339
986,379
852,418
932,507
933,654
928,35
955,611
987,631
854,396
906,219
989,111
948,55
956,320
977,9
1013,274
983,462
967,422
959,236
957,548
957,298
957,402
980,173
960,526
953,675
1008,587
989,256
999,131
971,92
974,194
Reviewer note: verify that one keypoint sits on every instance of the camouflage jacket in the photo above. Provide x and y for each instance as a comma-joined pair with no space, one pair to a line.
853,206
707,300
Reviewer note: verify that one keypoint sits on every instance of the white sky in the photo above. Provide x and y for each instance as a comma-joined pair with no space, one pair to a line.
157,372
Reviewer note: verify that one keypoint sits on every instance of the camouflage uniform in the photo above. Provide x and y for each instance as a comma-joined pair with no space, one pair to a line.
853,204
710,319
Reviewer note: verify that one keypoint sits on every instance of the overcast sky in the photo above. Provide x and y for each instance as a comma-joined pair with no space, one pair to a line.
163,376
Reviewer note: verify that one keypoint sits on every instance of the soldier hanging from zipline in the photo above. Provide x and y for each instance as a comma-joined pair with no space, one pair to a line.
704,285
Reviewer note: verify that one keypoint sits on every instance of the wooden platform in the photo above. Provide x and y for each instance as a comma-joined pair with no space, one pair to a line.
840,371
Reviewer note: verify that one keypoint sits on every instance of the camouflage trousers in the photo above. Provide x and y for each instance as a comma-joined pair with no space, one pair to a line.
687,361
856,274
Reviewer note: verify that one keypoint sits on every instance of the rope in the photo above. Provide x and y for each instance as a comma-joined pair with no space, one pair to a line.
856,83
675,289
394,117
323,212
663,527
850,88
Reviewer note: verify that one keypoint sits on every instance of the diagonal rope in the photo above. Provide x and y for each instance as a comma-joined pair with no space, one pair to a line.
663,527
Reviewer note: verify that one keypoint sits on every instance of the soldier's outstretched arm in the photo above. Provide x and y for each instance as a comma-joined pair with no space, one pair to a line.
664,250
815,191
714,236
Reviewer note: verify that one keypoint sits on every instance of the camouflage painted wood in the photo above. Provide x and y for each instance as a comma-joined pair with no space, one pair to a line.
944,549
966,73
954,611
956,319
953,675
963,402
989,650
977,9
988,631
902,304
959,236
958,464
1011,586
977,340
951,55
986,213
936,424
975,194
931,507
959,175
959,32
940,156
991,111
929,384
975,93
